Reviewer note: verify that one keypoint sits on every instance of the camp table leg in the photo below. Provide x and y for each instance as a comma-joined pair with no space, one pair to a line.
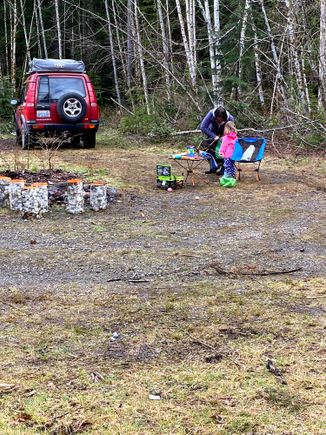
189,165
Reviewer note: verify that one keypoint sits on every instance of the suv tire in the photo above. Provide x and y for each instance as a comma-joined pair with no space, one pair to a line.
25,138
18,137
89,139
71,107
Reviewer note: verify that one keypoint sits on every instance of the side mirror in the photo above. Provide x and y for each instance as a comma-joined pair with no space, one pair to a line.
14,102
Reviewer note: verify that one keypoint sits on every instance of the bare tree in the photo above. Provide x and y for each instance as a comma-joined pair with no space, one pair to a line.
115,75
6,36
13,43
57,19
39,6
130,41
38,40
242,43
290,16
279,79
213,34
141,57
165,47
322,57
187,44
27,41
258,69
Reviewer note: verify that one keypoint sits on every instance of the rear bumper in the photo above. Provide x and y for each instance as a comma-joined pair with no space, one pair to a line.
39,127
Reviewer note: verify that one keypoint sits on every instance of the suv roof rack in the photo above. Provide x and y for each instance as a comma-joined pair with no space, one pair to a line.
56,65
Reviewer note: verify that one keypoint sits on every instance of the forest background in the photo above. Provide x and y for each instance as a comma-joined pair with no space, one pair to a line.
160,65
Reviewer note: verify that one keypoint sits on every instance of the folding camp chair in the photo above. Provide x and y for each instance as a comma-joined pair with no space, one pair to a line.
249,150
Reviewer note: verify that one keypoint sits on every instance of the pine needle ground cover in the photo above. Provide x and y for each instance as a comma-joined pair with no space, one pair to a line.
197,311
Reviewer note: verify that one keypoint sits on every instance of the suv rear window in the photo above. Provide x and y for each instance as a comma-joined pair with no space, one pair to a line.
52,88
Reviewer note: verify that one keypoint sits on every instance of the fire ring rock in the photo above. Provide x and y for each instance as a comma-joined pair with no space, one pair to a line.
4,190
41,197
98,196
15,194
75,196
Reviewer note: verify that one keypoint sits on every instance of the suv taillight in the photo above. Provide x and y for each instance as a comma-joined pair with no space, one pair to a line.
93,103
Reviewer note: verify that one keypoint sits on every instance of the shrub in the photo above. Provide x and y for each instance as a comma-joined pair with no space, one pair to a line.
140,123
6,109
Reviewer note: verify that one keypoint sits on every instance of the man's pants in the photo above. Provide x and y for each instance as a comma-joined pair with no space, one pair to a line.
211,158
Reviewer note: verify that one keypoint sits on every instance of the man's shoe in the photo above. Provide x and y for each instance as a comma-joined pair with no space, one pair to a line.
220,171
211,171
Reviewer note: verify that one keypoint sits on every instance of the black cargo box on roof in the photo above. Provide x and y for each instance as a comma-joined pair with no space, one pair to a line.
56,65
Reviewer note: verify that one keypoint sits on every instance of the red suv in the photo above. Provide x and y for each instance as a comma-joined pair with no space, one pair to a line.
57,99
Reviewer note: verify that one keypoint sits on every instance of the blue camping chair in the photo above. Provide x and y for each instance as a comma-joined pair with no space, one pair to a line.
249,150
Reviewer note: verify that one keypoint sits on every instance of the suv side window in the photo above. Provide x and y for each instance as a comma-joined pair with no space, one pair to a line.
43,90
23,94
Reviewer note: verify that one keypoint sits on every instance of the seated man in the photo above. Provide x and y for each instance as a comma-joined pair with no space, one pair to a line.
213,126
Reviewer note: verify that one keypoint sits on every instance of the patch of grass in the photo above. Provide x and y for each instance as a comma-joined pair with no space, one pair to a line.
280,398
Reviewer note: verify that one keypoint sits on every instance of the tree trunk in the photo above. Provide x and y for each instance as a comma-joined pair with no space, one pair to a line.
39,48
141,58
57,19
130,42
13,33
322,57
191,26
75,196
165,48
188,51
118,40
169,36
28,52
293,49
242,44
279,79
213,43
98,196
15,194
115,75
258,69
42,28
4,190
6,37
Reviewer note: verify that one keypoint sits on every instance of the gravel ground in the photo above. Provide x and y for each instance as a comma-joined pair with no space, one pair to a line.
274,225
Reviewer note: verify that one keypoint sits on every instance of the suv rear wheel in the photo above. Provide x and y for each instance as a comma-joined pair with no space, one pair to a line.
71,107
25,138
18,137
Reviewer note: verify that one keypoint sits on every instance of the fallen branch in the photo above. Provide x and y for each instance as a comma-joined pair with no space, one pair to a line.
123,107
308,120
268,129
181,133
266,273
202,343
184,132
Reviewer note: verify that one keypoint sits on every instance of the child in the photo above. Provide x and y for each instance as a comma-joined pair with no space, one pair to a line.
227,148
